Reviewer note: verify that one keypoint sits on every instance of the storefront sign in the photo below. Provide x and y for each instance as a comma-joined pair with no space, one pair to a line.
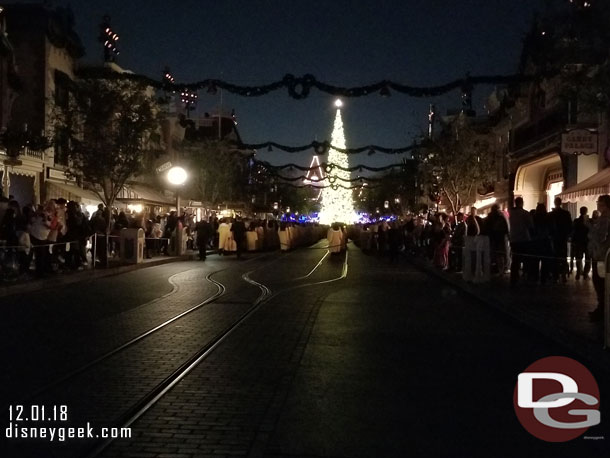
579,141
164,167
58,175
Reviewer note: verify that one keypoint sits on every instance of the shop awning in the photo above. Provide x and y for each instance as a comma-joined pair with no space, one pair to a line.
593,186
55,190
139,193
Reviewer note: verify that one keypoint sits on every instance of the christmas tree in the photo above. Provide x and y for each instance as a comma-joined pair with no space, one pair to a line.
337,203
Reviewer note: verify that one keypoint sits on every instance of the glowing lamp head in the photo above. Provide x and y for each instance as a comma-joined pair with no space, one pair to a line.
338,103
176,176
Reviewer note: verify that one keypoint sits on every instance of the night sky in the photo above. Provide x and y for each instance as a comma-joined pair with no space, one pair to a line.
250,42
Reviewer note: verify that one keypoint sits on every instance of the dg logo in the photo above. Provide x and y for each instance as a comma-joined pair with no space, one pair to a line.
556,399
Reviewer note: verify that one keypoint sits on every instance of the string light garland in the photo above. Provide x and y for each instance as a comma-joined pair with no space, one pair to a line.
330,179
325,166
323,147
330,186
300,87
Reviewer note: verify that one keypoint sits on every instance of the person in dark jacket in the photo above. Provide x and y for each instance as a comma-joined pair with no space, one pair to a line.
76,235
205,231
238,228
561,229
542,245
497,229
458,239
580,242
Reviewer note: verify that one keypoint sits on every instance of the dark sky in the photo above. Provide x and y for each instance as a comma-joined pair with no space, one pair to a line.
251,42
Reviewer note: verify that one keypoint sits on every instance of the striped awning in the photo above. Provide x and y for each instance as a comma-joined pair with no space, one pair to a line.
68,191
139,193
593,186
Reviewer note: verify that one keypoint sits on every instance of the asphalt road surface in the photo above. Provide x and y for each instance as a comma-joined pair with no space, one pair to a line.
333,356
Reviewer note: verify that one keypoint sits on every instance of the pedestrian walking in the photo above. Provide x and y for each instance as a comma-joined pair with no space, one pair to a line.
335,238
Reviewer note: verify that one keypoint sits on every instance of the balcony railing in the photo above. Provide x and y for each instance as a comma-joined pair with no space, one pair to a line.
36,154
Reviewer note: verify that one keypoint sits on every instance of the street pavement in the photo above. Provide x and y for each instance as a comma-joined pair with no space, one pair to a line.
560,310
385,361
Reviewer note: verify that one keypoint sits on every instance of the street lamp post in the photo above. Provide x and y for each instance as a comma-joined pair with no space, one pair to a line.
177,176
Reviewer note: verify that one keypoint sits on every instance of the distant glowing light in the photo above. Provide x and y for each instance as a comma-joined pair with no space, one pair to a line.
176,175
338,103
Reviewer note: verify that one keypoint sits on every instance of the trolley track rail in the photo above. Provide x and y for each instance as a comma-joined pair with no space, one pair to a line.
221,291
128,418
147,401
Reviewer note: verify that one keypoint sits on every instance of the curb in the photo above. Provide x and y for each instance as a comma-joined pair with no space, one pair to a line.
588,350
89,274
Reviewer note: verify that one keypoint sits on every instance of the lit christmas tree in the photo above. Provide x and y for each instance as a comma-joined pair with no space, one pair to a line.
337,203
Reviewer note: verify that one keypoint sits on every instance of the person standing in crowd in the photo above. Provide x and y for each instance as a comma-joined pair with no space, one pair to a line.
238,229
474,228
99,226
260,236
55,232
204,233
8,228
100,210
561,229
3,204
497,229
76,235
599,242
458,239
224,233
24,224
474,223
41,227
540,266
441,232
169,232
580,242
520,232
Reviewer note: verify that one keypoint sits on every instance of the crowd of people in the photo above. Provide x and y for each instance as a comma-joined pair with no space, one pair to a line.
57,235
61,235
536,246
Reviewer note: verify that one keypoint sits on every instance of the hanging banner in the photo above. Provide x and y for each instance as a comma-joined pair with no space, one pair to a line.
579,141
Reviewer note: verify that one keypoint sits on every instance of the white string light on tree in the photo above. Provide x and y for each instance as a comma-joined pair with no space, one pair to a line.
337,201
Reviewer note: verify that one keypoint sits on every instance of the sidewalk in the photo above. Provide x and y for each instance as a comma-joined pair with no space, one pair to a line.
558,311
68,276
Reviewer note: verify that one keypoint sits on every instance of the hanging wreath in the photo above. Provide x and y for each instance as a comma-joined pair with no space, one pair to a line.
319,148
